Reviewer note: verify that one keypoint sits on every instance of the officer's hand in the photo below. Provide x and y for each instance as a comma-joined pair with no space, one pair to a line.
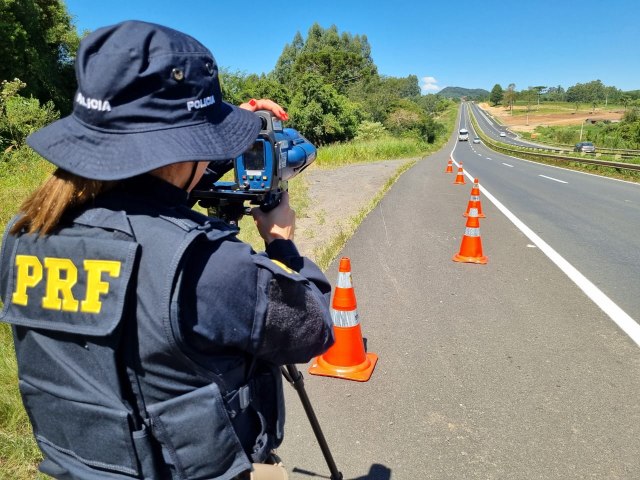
265,104
278,223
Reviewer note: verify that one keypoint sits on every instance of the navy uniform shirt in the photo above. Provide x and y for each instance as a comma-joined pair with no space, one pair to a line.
229,305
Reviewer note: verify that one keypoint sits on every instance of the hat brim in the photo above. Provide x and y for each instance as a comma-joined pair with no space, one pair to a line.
108,155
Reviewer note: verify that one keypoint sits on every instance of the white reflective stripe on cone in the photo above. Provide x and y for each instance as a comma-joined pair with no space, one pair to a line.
344,280
343,318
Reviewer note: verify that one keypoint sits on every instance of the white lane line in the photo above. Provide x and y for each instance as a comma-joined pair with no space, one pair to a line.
488,158
554,179
507,165
619,316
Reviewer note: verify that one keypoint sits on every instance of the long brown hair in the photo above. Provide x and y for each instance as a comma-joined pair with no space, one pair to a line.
43,209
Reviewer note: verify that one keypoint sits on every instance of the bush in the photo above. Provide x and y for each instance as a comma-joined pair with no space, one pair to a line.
321,113
20,116
370,131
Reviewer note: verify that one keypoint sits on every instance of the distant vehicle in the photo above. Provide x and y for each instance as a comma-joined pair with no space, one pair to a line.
476,139
503,134
463,135
585,147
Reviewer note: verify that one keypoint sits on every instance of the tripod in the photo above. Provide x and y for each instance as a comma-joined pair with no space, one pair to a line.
294,377
231,210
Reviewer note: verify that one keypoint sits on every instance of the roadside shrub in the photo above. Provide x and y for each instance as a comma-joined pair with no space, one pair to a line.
20,116
409,121
370,131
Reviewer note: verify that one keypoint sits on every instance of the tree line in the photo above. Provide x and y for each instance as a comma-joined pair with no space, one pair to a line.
328,81
593,93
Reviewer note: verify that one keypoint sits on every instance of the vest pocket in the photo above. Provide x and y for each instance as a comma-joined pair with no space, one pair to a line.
95,435
197,436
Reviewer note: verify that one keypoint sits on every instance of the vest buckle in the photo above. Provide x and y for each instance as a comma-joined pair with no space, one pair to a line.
238,400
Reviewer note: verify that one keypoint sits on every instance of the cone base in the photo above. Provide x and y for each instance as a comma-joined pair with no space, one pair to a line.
461,258
458,182
359,373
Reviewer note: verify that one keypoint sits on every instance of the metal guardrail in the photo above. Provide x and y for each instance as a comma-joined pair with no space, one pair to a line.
618,152
523,152
532,153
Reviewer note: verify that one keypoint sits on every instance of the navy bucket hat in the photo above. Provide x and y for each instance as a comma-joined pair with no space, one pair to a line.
147,96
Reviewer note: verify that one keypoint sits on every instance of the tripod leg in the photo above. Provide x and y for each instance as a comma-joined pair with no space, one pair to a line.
294,377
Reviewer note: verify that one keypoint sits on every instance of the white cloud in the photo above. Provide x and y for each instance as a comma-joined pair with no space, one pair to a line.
429,84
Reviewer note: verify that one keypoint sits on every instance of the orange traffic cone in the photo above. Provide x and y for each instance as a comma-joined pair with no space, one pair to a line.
460,176
471,246
449,167
474,200
346,358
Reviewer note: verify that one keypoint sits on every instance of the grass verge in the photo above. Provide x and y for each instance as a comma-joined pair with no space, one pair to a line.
326,254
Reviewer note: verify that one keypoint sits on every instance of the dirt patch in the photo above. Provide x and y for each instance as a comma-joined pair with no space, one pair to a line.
337,196
518,122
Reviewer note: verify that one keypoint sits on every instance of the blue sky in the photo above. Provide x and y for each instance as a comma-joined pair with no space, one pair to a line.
471,44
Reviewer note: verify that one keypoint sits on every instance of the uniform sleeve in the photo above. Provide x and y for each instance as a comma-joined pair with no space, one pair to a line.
235,299
286,252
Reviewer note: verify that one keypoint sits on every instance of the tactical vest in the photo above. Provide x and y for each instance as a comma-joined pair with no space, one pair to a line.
105,376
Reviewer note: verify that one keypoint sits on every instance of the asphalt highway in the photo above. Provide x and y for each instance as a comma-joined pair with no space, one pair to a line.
493,129
509,370
593,222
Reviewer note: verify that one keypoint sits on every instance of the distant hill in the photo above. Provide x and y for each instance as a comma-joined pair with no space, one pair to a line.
458,92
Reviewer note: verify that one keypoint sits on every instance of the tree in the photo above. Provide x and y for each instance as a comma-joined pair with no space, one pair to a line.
625,100
407,87
433,104
556,94
38,44
341,59
321,113
327,74
333,85
630,127
538,91
592,93
20,116
529,96
378,95
408,119
611,94
238,87
510,96
496,94
284,66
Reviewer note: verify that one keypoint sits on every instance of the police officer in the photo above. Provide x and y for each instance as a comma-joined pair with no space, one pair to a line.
148,337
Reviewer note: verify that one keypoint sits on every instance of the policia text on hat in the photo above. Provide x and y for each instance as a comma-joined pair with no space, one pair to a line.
148,337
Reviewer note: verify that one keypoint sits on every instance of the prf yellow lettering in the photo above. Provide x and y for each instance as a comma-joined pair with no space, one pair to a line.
29,274
61,276
57,285
95,285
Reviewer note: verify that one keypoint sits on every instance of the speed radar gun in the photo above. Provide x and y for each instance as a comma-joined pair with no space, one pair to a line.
261,174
